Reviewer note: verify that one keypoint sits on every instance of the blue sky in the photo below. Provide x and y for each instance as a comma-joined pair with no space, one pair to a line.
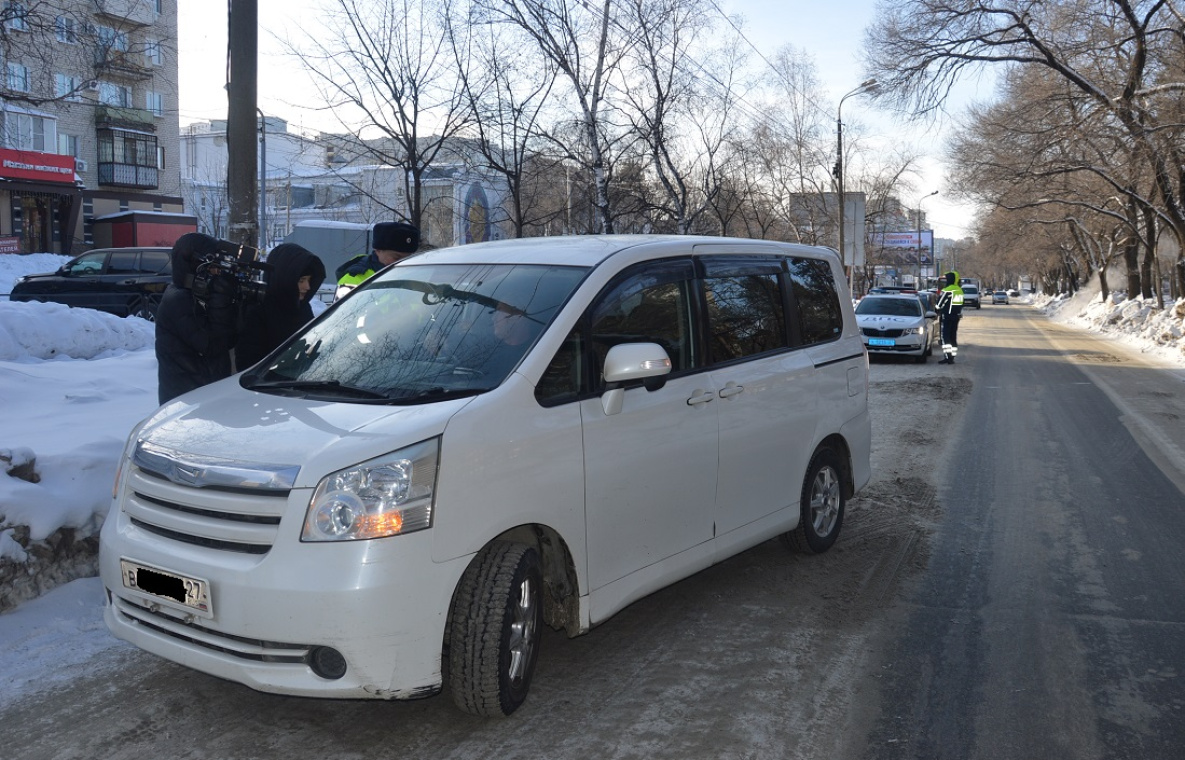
830,32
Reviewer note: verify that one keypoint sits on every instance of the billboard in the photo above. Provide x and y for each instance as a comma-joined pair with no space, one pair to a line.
904,239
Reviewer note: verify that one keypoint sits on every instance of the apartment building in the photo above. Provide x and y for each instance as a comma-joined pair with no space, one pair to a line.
88,118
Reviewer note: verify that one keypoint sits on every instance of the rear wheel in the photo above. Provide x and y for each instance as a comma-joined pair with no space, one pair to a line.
145,307
494,630
822,505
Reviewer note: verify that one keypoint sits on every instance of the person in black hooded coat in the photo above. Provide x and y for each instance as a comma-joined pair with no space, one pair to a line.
293,277
193,336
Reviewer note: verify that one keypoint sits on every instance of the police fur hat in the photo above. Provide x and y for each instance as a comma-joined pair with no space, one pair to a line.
396,236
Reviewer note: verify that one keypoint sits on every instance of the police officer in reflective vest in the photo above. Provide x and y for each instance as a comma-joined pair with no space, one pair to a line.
950,310
392,241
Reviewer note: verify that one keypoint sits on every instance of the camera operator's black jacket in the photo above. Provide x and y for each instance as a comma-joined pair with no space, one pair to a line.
282,312
193,339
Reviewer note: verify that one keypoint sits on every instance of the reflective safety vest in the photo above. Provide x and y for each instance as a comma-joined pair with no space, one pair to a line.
950,300
353,273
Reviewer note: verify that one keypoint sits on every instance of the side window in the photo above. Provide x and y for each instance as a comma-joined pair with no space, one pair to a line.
746,312
84,266
650,303
818,302
154,262
123,262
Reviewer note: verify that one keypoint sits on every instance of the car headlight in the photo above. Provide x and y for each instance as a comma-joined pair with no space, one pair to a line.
388,496
913,331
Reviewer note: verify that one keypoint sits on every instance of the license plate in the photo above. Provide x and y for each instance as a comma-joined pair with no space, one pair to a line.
881,342
188,593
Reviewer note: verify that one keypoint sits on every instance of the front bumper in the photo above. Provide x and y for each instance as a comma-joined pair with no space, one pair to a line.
905,344
382,604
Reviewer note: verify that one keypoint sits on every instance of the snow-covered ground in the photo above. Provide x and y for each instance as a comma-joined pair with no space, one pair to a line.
74,382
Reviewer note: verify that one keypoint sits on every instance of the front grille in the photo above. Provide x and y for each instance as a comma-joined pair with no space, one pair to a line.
873,332
191,632
217,518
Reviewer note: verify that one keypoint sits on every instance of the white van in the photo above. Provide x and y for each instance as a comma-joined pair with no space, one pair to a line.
482,440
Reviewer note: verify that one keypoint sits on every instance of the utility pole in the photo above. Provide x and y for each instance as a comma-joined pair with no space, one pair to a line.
242,153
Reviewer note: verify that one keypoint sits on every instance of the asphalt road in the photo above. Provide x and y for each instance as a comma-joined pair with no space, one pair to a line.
1050,622
1008,586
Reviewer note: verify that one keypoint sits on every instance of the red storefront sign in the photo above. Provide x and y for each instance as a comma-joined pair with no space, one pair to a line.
10,244
39,167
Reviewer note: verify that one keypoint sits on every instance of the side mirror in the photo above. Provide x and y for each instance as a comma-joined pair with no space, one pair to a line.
631,361
931,315
635,361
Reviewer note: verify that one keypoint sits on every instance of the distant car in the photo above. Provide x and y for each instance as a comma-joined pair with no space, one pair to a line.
1014,293
121,281
971,297
1000,297
897,324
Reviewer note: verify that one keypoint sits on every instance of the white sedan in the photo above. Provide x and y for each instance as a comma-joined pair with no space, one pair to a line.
897,324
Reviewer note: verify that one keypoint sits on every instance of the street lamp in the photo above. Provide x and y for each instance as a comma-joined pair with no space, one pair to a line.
869,85
919,209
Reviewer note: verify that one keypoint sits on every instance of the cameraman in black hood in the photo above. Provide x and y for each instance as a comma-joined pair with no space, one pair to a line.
294,274
194,334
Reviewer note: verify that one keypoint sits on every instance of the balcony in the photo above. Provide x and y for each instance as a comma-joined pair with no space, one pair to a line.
128,175
122,65
127,155
124,118
135,12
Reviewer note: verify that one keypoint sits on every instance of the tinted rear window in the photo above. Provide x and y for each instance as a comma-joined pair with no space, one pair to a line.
817,299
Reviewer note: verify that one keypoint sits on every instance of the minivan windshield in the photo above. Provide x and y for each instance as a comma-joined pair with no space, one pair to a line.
419,333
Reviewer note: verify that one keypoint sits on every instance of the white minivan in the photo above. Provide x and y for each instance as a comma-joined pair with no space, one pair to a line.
481,440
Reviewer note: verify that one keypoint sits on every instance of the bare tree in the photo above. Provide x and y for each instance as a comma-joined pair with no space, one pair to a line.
681,101
506,88
385,70
586,43
1113,52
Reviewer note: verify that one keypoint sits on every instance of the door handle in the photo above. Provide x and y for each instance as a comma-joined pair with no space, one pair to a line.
731,389
700,397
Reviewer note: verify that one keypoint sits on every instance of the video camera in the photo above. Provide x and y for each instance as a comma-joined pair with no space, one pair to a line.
235,264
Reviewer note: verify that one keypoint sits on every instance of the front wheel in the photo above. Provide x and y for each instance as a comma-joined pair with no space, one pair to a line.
822,505
494,630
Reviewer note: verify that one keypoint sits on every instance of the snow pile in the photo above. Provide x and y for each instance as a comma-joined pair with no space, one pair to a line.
51,330
1138,322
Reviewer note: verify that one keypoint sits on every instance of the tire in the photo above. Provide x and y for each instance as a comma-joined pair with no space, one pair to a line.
145,308
494,630
822,505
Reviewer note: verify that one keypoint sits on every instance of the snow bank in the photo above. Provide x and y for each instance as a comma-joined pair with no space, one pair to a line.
51,331
1138,322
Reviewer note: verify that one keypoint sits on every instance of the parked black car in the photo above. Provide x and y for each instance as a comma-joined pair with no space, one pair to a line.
122,281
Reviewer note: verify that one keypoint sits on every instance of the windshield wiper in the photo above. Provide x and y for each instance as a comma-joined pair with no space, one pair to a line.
429,395
335,386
